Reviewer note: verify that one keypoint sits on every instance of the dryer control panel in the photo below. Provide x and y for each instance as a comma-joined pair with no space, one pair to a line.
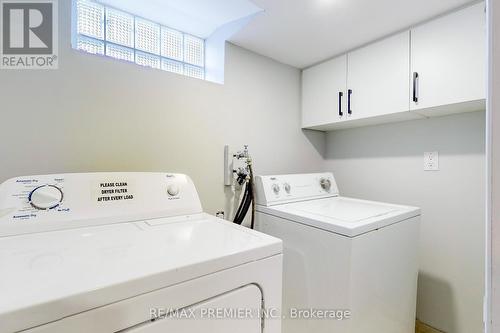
279,189
51,202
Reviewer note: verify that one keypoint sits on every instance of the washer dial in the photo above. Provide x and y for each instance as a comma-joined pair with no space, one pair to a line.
326,184
46,197
276,189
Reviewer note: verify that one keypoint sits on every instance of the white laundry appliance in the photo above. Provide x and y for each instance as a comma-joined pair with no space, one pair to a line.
129,253
355,260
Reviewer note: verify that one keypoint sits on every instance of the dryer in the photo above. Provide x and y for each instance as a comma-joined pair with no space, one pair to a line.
131,253
350,265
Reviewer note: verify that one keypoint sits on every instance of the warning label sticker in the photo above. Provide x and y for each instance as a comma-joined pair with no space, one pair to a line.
113,191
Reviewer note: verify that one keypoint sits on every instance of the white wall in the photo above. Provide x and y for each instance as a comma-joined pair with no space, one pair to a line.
386,163
494,165
98,114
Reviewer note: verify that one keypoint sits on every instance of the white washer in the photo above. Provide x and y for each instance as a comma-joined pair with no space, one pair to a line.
129,252
355,256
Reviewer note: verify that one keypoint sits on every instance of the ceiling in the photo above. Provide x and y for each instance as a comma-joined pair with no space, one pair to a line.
304,32
197,17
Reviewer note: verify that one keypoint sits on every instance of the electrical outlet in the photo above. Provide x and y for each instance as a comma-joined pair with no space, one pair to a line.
431,161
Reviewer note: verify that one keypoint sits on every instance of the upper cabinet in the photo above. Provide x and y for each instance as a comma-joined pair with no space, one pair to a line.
377,78
437,68
448,62
323,88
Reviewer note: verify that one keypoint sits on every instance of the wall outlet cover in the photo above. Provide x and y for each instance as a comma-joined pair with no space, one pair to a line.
431,161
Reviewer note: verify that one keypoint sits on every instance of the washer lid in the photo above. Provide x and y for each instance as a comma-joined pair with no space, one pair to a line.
48,276
345,216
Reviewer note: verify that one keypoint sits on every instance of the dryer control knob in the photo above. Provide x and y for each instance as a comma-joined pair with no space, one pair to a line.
276,189
326,184
46,197
287,187
173,190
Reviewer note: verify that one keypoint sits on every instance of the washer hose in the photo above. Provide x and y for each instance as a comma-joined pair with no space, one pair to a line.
237,216
248,199
245,204
252,224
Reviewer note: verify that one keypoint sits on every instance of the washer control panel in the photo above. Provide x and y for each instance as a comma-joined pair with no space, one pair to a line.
52,202
281,189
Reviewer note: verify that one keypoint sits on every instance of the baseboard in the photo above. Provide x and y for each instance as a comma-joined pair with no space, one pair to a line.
423,328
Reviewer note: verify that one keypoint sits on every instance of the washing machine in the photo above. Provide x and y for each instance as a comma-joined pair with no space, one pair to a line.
350,265
129,253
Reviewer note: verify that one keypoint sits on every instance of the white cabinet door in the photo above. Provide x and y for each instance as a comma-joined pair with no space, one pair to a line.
378,78
323,86
449,57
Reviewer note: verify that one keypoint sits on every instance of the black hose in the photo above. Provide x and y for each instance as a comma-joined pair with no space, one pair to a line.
248,199
244,207
252,223
240,207
245,204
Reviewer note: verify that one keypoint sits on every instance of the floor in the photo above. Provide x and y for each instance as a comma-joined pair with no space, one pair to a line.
422,328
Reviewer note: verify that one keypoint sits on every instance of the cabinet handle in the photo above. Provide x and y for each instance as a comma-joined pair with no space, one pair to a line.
415,87
341,94
349,93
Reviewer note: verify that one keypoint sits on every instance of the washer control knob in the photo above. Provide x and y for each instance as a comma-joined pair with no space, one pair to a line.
276,189
287,187
173,190
326,184
46,197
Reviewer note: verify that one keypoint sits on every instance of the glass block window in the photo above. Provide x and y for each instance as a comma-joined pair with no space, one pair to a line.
147,59
110,32
172,66
119,52
147,36
90,45
194,50
119,27
194,71
90,19
172,44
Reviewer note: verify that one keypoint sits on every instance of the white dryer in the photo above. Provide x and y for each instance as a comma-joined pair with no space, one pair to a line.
130,253
350,265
